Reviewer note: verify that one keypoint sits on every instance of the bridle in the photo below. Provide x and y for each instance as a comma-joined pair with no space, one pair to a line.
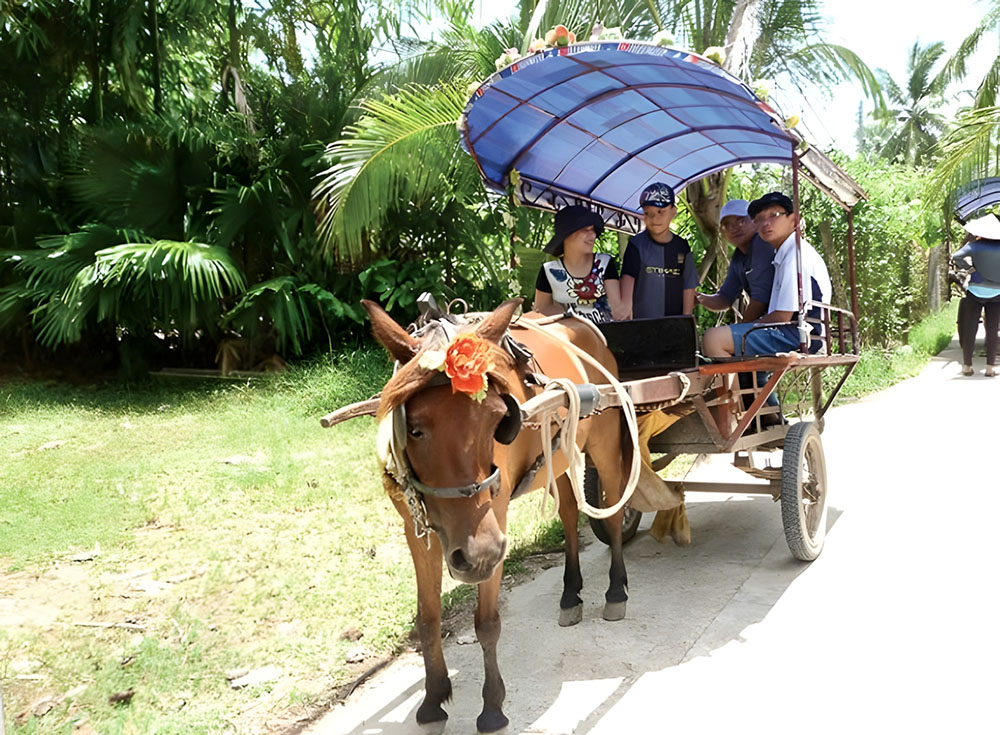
398,467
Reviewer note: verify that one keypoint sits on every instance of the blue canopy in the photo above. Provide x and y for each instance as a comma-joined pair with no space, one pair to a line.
595,123
975,197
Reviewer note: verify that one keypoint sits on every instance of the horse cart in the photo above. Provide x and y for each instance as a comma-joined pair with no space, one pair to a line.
594,124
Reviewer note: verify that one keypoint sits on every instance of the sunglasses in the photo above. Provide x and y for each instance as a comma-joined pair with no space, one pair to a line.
764,218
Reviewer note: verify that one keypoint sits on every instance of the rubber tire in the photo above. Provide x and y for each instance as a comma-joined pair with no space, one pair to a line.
803,521
592,492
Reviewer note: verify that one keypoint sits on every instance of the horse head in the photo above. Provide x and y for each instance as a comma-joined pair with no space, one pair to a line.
438,429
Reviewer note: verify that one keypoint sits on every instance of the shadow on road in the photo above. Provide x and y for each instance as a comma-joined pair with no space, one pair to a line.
683,604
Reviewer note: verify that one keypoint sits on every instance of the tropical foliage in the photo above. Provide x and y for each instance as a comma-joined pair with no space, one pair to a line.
914,108
180,180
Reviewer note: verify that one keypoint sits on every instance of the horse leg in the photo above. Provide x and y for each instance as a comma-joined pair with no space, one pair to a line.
610,456
492,718
570,605
427,561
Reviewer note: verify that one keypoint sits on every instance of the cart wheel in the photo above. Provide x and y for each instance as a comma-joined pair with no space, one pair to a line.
803,491
592,492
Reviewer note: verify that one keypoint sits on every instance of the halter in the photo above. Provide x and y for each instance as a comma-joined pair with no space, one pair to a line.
397,464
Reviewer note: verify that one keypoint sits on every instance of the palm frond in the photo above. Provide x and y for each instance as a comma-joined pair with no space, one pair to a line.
399,152
966,152
289,307
836,63
956,67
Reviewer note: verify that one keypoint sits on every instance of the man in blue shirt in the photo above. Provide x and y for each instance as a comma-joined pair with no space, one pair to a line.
750,270
776,219
658,275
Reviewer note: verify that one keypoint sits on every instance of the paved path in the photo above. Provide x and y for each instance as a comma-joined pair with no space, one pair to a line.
893,628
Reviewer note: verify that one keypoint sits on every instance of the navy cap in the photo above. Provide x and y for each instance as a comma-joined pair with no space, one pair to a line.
657,195
771,199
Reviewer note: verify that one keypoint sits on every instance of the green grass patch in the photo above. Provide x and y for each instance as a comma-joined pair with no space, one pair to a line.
880,368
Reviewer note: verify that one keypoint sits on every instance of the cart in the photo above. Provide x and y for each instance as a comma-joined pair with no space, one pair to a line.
593,124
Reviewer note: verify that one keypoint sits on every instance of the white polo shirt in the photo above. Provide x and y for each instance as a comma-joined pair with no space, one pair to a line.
815,277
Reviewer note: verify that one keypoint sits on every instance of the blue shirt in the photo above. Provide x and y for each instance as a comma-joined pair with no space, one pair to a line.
751,272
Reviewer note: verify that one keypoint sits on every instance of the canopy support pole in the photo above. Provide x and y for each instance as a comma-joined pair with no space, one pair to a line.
803,328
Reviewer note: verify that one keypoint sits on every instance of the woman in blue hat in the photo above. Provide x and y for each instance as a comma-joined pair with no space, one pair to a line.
579,277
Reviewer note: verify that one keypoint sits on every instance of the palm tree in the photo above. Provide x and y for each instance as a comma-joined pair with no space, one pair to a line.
398,147
969,149
914,108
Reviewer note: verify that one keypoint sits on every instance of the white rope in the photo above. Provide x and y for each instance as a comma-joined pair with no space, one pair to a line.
569,426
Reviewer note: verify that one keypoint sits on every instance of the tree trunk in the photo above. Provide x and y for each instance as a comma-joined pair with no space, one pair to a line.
742,34
96,69
833,264
705,198
154,37
934,278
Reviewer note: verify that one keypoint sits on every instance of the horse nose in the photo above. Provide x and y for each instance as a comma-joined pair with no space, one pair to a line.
476,562
458,562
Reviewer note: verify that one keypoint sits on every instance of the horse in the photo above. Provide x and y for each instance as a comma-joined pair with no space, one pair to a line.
463,456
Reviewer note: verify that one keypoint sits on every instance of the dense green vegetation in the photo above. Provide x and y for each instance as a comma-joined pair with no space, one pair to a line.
188,183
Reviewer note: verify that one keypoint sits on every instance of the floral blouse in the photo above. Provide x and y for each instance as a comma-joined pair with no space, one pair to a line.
586,295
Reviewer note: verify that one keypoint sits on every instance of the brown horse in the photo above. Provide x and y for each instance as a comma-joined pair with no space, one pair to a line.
465,458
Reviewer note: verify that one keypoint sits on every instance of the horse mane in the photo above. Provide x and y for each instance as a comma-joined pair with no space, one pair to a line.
411,378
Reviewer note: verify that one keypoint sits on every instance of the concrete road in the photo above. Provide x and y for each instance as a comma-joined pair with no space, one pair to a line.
893,628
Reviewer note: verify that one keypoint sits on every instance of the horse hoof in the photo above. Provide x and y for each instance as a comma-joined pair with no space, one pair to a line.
433,728
431,716
570,615
614,611
491,722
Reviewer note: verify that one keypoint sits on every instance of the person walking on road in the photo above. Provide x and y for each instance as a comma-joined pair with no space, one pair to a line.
981,253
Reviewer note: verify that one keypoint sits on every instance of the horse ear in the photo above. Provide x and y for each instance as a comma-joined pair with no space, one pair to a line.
494,326
390,335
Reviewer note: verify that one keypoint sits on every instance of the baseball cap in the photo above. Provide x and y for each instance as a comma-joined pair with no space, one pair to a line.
734,208
771,199
657,195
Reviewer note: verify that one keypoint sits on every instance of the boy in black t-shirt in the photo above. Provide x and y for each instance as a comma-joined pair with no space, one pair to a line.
658,275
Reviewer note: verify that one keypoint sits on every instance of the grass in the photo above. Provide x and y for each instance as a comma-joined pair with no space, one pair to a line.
227,530
224,524
880,368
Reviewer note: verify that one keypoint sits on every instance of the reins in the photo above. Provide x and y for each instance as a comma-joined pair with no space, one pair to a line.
569,425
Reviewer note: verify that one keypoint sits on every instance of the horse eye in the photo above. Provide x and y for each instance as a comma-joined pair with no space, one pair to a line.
415,432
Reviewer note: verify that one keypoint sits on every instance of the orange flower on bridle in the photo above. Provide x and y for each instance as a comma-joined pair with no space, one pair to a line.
466,362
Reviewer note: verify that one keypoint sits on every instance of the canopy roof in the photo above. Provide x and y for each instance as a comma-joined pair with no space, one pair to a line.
975,197
595,123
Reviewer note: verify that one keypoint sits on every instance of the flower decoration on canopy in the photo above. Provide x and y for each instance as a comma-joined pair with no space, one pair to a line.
508,57
560,37
466,362
716,54
664,38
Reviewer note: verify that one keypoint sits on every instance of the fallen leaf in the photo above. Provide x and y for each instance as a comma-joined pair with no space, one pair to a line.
257,676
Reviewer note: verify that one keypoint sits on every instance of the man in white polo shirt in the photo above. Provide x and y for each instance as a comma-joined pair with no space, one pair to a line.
775,217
